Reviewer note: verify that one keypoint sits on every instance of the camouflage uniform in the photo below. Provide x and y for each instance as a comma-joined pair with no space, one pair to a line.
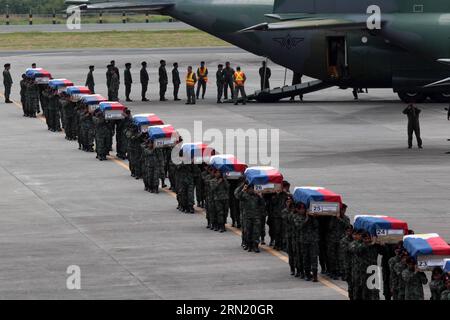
113,88
436,288
368,254
101,136
87,131
78,113
276,220
53,120
45,97
186,187
398,269
160,165
253,206
220,190
336,231
134,138
205,176
357,279
150,172
445,295
33,98
414,282
121,137
23,96
234,204
346,260
172,169
394,278
242,216
297,244
199,188
69,119
310,249
291,238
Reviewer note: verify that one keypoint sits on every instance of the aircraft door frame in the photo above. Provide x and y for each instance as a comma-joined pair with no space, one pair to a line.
337,65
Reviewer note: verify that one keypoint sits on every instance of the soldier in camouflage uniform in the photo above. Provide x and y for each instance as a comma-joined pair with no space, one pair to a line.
288,214
135,139
414,281
199,188
114,85
242,217
52,110
346,259
309,242
220,189
101,135
445,295
437,284
297,244
367,253
336,231
205,176
393,279
253,206
23,95
278,204
357,280
160,164
151,170
121,137
79,110
87,130
186,188
33,98
69,118
398,269
234,203
45,97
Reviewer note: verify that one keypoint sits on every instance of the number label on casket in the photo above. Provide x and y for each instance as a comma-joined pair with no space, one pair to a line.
422,264
382,232
261,187
318,207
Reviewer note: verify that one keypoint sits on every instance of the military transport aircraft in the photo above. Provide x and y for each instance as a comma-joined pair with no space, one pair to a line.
398,44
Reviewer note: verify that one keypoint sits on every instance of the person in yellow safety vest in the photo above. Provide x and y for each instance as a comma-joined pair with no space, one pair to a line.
239,86
191,80
202,74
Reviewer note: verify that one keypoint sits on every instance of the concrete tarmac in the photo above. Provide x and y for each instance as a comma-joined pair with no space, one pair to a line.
62,207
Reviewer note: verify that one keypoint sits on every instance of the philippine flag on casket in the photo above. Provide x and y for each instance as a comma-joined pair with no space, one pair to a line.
426,245
197,151
263,176
93,99
60,83
111,106
306,195
161,132
447,265
372,223
74,90
147,119
37,73
227,163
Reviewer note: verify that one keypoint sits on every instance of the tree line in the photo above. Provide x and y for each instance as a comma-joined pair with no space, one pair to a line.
36,6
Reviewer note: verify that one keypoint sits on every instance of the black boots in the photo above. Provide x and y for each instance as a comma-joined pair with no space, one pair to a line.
315,276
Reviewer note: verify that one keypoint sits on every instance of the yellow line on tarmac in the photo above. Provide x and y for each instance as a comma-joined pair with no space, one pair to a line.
234,230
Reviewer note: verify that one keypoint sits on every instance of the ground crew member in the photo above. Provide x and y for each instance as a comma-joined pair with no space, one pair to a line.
202,76
191,80
163,81
414,280
7,82
265,73
121,138
220,82
102,133
296,79
128,79
113,92
336,231
90,83
220,189
228,74
239,79
309,239
176,81
23,95
253,205
144,81
413,125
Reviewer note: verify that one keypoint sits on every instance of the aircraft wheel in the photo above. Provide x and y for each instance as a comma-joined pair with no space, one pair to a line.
412,97
440,97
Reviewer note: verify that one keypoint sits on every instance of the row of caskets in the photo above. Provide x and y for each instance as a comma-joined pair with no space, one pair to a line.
430,250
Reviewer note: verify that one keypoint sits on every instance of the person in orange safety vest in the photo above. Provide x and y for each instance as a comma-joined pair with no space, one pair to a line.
239,86
191,80
202,75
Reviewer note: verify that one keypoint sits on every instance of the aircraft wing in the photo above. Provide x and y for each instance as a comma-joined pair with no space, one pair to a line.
308,23
85,5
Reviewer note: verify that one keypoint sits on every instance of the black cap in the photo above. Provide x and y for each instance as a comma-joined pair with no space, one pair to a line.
143,63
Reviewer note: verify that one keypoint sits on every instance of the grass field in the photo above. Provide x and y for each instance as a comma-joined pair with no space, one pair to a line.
107,39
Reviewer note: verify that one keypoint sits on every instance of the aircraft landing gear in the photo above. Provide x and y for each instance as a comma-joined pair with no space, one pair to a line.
440,97
412,97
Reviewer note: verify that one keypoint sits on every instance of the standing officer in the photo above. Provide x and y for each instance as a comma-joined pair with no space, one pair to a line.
116,70
191,80
296,79
265,73
7,81
220,81
176,81
113,92
108,79
413,113
128,81
228,74
202,75
90,80
163,81
239,86
144,81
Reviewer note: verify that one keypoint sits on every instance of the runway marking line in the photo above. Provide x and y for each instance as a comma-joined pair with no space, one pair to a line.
283,257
